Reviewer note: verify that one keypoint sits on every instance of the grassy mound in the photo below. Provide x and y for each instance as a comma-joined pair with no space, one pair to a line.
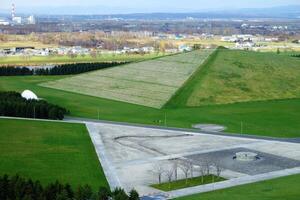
232,76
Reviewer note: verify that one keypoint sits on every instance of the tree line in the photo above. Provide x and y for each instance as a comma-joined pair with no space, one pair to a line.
65,69
19,188
296,55
169,170
12,104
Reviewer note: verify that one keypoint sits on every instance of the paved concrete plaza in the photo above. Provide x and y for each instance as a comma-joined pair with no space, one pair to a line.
128,155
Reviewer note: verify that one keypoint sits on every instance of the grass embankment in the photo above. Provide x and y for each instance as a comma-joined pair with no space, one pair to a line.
42,60
191,182
49,151
286,188
272,118
240,76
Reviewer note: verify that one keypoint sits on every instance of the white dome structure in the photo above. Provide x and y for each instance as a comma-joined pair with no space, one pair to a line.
27,94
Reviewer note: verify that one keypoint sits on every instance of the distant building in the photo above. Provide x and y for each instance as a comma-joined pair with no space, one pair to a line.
17,20
31,20
244,45
4,22
184,47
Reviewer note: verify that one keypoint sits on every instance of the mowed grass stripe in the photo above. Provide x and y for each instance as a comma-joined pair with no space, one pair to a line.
142,93
123,86
92,91
150,83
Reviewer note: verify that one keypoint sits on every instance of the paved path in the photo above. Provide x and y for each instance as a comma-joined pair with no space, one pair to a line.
108,168
232,183
83,120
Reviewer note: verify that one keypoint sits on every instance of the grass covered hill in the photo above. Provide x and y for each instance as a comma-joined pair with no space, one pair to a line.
49,151
232,76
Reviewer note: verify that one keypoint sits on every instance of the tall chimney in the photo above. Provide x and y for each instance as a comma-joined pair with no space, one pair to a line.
13,11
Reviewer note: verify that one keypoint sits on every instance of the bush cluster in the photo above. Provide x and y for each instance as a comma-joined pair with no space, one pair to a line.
12,104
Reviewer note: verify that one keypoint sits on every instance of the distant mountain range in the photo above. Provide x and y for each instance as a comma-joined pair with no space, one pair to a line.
286,12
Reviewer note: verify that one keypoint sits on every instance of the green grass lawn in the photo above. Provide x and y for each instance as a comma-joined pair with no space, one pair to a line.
232,76
286,188
39,60
272,118
49,151
191,182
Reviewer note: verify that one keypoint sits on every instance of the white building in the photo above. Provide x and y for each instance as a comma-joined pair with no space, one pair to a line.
244,45
31,20
4,22
184,47
17,20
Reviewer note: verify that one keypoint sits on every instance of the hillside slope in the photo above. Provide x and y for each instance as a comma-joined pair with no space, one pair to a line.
233,76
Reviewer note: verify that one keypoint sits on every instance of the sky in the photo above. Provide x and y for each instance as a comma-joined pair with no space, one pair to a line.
129,6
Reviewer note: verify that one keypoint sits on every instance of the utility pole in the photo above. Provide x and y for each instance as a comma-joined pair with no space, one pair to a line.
241,127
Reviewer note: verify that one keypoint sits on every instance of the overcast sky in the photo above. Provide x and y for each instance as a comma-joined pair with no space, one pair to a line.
126,6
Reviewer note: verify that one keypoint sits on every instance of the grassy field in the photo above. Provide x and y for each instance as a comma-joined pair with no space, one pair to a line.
272,118
13,44
151,83
49,151
180,184
42,60
240,76
286,188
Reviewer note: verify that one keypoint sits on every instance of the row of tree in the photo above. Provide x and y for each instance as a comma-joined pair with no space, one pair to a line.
66,69
296,55
15,71
76,68
19,188
12,104
188,169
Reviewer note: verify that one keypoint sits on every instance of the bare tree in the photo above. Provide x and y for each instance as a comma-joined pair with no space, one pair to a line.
207,164
218,168
169,173
175,167
192,169
202,170
186,168
158,170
